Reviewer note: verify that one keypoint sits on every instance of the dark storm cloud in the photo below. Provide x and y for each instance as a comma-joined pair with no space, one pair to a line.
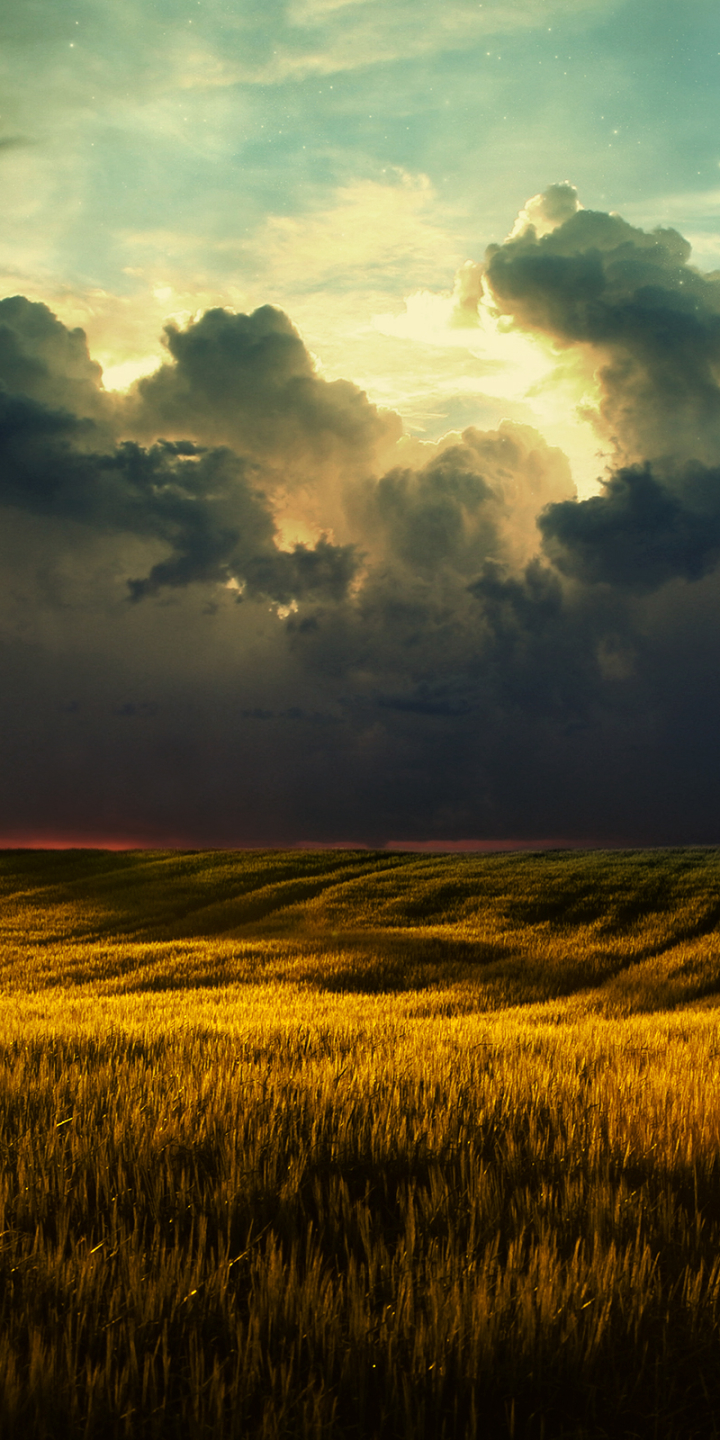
324,571
248,381
651,319
43,360
466,650
203,505
640,532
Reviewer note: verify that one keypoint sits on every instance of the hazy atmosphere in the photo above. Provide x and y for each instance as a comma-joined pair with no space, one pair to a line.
360,422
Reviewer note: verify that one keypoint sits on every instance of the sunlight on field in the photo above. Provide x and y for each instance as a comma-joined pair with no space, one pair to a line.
415,1149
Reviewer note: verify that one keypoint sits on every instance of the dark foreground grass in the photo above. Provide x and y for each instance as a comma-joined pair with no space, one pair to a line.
350,1145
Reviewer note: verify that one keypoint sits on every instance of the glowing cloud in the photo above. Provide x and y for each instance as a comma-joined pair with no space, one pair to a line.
238,604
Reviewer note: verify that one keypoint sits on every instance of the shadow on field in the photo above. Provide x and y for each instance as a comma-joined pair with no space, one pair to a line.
448,975
486,975
634,930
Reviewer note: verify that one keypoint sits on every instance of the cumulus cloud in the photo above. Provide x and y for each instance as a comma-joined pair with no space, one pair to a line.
640,532
650,319
203,505
42,359
545,212
477,497
461,647
249,381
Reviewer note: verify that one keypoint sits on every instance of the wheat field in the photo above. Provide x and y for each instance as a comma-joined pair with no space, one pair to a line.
361,1146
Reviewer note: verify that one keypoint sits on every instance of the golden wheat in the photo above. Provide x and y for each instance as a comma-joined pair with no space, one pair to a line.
319,1174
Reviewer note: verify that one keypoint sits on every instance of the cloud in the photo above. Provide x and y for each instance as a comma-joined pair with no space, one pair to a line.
546,211
650,320
145,56
474,498
453,646
42,359
504,371
202,505
322,37
248,381
284,41
640,532
372,229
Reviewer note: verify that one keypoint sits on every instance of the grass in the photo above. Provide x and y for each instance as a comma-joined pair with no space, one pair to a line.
351,1146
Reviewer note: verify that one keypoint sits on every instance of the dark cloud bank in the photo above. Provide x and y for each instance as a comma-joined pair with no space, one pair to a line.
458,647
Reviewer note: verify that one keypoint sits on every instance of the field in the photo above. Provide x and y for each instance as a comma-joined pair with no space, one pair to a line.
360,1146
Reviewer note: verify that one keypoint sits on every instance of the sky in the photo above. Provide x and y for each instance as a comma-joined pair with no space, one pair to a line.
360,422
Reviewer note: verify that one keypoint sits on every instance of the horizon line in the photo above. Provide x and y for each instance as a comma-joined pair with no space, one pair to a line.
127,843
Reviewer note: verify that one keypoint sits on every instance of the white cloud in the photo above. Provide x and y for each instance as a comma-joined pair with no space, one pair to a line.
544,212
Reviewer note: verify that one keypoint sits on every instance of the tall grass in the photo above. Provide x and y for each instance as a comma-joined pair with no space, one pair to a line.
432,1151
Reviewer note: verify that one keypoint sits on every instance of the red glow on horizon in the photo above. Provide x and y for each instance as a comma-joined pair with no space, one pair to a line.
132,842
88,842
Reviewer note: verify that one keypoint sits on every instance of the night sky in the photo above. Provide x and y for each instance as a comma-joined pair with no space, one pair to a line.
360,422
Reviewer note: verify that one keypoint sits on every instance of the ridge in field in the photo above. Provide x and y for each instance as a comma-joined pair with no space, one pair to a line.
632,930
